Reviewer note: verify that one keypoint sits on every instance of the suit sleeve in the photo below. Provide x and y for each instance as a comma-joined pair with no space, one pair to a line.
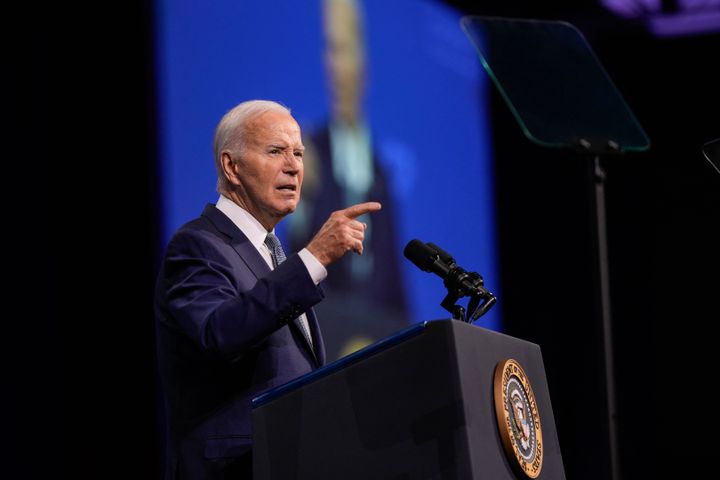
217,306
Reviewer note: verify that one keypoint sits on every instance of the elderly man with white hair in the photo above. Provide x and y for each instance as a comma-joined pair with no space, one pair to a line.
234,315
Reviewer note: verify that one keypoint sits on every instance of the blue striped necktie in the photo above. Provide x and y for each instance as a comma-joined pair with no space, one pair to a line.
278,257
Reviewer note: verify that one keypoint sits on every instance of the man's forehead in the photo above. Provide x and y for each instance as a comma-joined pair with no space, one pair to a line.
274,125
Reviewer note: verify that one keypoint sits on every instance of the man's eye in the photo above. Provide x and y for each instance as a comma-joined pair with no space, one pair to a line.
274,151
299,154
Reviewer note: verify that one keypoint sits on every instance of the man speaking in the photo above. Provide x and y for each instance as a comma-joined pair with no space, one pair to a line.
234,314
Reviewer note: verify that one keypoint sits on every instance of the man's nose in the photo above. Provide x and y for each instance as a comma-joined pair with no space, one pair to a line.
292,164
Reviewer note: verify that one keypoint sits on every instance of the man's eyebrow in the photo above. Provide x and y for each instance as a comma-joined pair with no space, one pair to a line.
284,146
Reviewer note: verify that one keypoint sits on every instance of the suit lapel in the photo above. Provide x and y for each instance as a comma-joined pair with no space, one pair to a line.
255,262
248,253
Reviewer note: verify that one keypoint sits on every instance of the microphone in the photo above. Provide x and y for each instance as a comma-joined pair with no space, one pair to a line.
431,258
459,283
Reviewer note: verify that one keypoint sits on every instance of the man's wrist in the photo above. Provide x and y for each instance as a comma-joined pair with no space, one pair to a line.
316,269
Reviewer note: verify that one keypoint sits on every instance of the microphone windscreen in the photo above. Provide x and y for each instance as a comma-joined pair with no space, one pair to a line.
420,254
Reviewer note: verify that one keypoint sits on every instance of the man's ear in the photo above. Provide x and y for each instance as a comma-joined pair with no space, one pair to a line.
230,168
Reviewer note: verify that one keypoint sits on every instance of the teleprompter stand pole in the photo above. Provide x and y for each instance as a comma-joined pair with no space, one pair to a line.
599,177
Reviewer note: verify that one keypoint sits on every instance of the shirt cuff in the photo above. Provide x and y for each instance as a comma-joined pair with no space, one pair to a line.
316,269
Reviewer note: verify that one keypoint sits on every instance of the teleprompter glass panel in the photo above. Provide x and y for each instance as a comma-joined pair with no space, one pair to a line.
554,84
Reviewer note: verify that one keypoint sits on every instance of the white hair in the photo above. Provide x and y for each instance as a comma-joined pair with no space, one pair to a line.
230,132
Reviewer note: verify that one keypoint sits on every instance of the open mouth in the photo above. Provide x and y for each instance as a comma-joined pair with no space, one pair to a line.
287,188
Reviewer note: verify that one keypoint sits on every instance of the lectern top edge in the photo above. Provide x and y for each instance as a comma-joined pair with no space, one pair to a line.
340,364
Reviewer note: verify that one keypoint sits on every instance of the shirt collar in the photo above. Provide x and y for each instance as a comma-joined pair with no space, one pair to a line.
242,219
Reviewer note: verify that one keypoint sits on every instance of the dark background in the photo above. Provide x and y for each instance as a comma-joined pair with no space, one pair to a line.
82,213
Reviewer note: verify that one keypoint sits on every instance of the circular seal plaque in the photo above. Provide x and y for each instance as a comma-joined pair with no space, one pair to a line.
518,418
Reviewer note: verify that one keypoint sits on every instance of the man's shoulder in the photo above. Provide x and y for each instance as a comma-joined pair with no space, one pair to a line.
194,227
202,223
201,229
199,223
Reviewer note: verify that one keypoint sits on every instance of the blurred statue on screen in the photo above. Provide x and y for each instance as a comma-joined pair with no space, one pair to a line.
367,293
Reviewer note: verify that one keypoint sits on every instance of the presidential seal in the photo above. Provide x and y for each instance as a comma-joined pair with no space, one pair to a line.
518,418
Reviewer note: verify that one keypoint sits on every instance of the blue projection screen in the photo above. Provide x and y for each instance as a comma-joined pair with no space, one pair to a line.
391,100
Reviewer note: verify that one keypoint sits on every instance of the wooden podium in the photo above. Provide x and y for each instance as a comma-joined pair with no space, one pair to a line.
420,404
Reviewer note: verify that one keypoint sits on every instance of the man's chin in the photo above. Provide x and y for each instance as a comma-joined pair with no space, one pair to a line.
286,210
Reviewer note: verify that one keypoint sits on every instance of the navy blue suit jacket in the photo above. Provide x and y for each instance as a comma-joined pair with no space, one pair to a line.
225,333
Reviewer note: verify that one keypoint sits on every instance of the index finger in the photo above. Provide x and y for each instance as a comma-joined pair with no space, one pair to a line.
361,209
